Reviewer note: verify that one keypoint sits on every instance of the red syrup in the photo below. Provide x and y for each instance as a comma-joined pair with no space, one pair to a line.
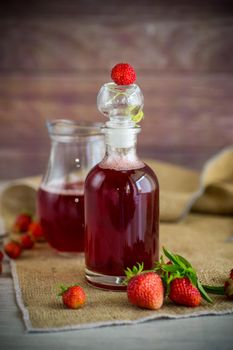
122,220
61,212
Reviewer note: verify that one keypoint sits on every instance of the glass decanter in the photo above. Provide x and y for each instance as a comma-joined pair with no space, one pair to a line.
75,149
121,196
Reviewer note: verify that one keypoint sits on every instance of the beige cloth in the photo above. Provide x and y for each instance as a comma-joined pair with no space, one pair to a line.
181,190
37,274
203,239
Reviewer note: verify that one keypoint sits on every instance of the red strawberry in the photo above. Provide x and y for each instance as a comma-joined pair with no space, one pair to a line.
36,231
1,256
228,288
73,297
13,249
183,292
26,241
146,291
123,74
22,222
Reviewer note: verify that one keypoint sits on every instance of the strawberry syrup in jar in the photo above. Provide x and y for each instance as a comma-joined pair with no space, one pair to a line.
62,216
76,148
121,196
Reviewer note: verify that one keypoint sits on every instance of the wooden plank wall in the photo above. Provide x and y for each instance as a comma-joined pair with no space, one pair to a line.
55,55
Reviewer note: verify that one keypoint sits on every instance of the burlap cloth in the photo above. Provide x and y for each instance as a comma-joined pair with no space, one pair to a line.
203,239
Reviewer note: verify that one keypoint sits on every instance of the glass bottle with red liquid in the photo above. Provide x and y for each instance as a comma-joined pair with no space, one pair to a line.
76,148
121,195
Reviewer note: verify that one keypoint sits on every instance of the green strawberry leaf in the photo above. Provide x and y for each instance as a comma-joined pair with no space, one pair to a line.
63,289
183,260
214,289
173,258
203,292
170,268
193,278
136,270
169,255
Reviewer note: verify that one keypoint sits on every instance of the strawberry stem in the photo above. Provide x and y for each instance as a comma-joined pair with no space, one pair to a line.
214,289
203,292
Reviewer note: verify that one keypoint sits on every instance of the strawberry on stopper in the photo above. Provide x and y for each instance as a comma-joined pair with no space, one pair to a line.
123,74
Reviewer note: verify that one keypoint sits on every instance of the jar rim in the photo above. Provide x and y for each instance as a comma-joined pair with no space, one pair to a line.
73,128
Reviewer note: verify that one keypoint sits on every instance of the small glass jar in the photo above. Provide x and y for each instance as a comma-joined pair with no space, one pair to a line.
75,149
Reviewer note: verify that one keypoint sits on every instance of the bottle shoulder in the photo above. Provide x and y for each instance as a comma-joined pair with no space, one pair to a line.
151,172
143,178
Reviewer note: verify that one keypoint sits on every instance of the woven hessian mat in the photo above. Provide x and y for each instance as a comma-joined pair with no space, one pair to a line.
203,239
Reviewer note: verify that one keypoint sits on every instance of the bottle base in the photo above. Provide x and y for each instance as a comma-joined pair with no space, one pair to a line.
69,254
106,282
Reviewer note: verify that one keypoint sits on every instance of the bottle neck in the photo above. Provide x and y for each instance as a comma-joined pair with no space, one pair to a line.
129,153
121,151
